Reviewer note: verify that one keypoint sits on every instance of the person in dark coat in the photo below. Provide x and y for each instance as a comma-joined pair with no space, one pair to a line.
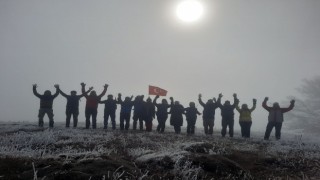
46,101
275,118
191,113
176,119
208,114
110,107
125,112
72,108
227,113
149,114
162,113
138,106
92,105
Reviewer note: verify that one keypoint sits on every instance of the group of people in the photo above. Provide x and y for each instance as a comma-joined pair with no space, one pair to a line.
145,111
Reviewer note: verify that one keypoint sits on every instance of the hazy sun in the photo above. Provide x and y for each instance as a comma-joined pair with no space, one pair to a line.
189,10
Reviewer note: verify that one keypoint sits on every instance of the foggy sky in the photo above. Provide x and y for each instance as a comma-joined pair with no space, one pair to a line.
253,48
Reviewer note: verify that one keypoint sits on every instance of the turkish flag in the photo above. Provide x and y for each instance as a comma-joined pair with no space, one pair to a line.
153,90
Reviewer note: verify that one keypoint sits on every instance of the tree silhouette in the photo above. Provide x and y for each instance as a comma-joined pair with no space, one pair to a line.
306,114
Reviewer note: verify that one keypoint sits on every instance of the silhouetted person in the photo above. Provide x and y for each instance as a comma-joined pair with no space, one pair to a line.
149,114
110,107
138,105
245,119
191,113
208,114
176,119
72,108
46,101
92,105
228,115
275,118
162,113
125,112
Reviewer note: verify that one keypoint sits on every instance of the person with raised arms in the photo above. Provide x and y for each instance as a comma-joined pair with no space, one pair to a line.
162,113
125,112
208,113
245,119
92,105
46,102
227,113
72,108
275,117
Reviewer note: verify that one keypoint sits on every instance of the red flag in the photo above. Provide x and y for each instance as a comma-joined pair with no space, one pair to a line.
153,90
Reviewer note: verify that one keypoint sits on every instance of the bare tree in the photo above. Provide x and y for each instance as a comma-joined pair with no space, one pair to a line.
306,114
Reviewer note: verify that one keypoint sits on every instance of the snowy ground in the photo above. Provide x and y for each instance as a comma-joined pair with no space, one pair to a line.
28,152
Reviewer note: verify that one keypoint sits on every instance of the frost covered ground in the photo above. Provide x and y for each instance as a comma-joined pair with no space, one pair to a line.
28,152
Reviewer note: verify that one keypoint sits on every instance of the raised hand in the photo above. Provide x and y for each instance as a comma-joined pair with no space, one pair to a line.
254,101
235,95
292,101
220,95
106,86
83,84
266,99
119,94
56,86
171,98
214,99
35,85
200,95
90,88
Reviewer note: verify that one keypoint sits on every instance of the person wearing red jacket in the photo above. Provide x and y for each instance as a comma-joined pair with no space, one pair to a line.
275,118
92,105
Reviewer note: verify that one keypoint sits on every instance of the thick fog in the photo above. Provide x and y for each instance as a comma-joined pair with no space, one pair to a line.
252,48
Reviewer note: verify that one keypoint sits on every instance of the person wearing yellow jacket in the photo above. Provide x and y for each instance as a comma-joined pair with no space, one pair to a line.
245,119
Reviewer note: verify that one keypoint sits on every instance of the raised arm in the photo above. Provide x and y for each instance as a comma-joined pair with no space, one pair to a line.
219,100
62,93
284,110
235,100
104,90
171,99
86,92
198,112
254,101
200,100
83,91
264,104
34,89
237,107
57,90
155,100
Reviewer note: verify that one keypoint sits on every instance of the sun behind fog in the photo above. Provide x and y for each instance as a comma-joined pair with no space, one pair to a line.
189,10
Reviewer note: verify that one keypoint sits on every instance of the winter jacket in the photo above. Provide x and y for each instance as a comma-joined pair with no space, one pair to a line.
72,101
245,114
176,112
208,109
191,113
110,105
149,111
276,114
46,101
126,106
93,101
227,110
162,109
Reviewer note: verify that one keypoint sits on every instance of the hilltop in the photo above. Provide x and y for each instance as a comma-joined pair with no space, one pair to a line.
28,152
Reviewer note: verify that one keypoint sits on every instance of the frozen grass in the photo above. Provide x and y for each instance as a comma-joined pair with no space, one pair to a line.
21,140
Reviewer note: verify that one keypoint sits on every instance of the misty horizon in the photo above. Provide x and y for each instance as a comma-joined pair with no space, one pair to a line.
255,49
